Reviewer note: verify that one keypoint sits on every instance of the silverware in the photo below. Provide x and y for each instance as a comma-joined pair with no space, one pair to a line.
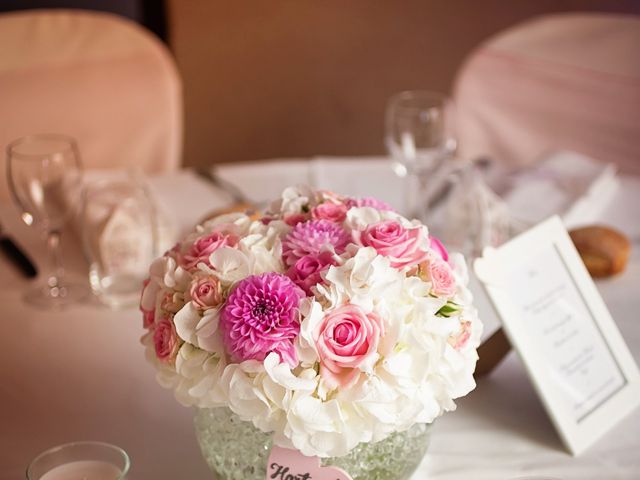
16,255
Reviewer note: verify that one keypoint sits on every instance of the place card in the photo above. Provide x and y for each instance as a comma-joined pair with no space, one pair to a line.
558,323
288,464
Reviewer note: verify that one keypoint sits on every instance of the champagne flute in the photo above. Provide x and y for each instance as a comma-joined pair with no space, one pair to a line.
419,138
43,170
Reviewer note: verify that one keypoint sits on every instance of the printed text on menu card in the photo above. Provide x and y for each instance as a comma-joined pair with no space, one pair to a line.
559,321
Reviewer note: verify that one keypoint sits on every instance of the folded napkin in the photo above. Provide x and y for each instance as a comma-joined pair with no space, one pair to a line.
576,187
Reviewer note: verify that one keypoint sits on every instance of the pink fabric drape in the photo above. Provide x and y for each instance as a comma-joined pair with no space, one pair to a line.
569,81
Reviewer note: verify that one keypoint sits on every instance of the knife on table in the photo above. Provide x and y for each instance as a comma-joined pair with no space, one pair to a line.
15,254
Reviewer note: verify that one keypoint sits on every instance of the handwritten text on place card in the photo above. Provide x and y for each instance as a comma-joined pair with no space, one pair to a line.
287,464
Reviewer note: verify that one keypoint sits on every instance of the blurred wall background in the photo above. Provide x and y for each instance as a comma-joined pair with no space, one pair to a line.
149,13
289,78
295,78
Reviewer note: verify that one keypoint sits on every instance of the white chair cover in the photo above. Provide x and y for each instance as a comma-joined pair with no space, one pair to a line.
94,76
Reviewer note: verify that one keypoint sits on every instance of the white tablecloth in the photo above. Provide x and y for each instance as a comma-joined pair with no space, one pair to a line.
81,373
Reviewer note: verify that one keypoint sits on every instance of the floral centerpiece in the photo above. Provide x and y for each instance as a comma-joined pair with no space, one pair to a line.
326,322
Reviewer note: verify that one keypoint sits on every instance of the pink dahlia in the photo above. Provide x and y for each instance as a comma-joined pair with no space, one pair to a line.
260,317
311,238
369,202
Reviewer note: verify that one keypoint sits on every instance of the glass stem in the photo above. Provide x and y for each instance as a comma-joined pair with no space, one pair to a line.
414,196
57,270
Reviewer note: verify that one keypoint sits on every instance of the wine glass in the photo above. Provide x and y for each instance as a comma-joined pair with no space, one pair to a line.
419,138
43,171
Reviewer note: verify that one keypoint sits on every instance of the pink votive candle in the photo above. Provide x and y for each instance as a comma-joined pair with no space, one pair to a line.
80,461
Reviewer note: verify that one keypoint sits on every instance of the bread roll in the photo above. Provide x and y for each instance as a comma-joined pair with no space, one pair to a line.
604,250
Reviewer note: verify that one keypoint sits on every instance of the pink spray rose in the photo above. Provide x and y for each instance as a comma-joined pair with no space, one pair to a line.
346,339
204,246
306,271
205,293
369,202
334,212
438,247
165,340
441,276
295,219
403,246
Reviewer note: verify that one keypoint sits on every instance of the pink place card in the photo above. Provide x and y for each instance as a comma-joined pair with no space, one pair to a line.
287,464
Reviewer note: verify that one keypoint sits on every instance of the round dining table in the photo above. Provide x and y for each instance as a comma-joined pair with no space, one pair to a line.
80,373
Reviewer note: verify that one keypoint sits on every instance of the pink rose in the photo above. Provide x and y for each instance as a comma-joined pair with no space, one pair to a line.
205,293
346,339
306,271
403,246
334,212
369,202
441,276
204,246
438,247
165,341
148,318
296,218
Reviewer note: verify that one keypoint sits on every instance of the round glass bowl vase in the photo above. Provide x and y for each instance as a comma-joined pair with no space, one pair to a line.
236,450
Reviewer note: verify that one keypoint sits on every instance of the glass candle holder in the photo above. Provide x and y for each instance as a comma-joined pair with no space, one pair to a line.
80,461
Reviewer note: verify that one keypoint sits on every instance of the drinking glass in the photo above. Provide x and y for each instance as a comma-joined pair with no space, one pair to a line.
120,238
87,460
43,173
419,138
470,215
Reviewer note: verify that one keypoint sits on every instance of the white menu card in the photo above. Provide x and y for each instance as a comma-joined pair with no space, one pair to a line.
557,321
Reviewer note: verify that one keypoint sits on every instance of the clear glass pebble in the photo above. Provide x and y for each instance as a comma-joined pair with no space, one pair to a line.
236,450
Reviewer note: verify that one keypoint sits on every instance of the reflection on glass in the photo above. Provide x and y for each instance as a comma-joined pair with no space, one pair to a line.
120,238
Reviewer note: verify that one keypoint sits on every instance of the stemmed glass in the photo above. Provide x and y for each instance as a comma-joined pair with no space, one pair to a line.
419,137
43,171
